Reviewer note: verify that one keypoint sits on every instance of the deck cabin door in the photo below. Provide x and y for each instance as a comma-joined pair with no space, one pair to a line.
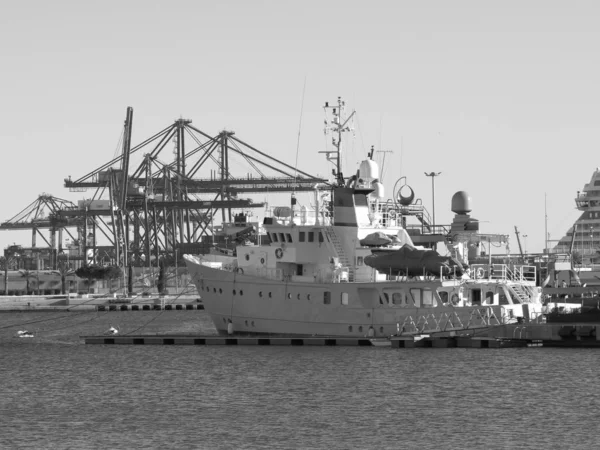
476,296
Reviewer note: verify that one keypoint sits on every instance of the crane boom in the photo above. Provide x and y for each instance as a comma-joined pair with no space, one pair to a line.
519,242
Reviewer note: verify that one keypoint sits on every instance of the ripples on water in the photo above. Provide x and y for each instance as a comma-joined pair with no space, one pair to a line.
126,397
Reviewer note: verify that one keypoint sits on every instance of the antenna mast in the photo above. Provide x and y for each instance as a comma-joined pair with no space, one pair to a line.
337,125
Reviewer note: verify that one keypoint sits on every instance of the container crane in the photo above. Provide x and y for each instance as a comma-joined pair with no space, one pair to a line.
159,207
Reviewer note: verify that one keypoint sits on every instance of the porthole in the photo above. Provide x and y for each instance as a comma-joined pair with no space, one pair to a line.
298,296
252,323
381,330
350,328
289,295
241,292
368,315
307,296
234,292
220,291
215,290
360,329
246,322
247,257
260,294
270,295
262,260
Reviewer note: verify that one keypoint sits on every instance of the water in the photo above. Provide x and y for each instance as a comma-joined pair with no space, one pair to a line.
60,394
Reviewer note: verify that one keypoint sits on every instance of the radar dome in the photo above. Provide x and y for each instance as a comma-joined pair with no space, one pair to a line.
368,170
461,203
378,190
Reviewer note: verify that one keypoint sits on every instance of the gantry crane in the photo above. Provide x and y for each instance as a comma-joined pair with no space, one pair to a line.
44,213
157,208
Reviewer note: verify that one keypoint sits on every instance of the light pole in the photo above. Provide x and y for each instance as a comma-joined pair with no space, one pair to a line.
592,249
433,175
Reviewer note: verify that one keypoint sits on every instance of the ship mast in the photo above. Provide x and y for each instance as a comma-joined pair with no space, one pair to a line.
337,125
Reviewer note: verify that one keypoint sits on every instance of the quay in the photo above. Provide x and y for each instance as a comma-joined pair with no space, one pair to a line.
393,342
151,307
502,336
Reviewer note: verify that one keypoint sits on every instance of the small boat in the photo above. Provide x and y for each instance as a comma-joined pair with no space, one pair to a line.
24,334
348,267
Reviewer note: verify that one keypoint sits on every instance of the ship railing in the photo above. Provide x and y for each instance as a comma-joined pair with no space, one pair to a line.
339,275
504,272
300,216
385,218
523,273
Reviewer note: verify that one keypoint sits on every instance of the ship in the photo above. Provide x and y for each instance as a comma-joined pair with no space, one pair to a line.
347,267
577,250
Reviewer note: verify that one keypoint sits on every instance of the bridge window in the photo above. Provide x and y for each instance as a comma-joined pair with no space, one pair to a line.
321,238
489,298
416,297
428,298
274,237
327,297
311,236
385,299
288,237
359,260
444,296
281,237
302,236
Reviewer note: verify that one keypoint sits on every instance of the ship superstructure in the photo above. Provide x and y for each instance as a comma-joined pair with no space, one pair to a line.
348,267
583,238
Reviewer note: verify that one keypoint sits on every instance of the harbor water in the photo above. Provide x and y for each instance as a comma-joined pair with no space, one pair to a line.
58,393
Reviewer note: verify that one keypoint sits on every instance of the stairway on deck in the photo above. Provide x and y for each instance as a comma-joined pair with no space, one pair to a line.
337,245
520,292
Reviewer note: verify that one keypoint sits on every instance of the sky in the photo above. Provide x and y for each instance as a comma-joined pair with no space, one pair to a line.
502,98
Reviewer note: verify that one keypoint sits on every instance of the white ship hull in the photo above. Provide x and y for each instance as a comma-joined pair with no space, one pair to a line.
244,304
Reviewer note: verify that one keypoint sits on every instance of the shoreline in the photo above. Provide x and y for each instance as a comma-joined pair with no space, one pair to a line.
96,302
59,326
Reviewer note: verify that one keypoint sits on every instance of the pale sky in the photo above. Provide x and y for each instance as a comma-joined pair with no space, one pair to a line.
502,97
